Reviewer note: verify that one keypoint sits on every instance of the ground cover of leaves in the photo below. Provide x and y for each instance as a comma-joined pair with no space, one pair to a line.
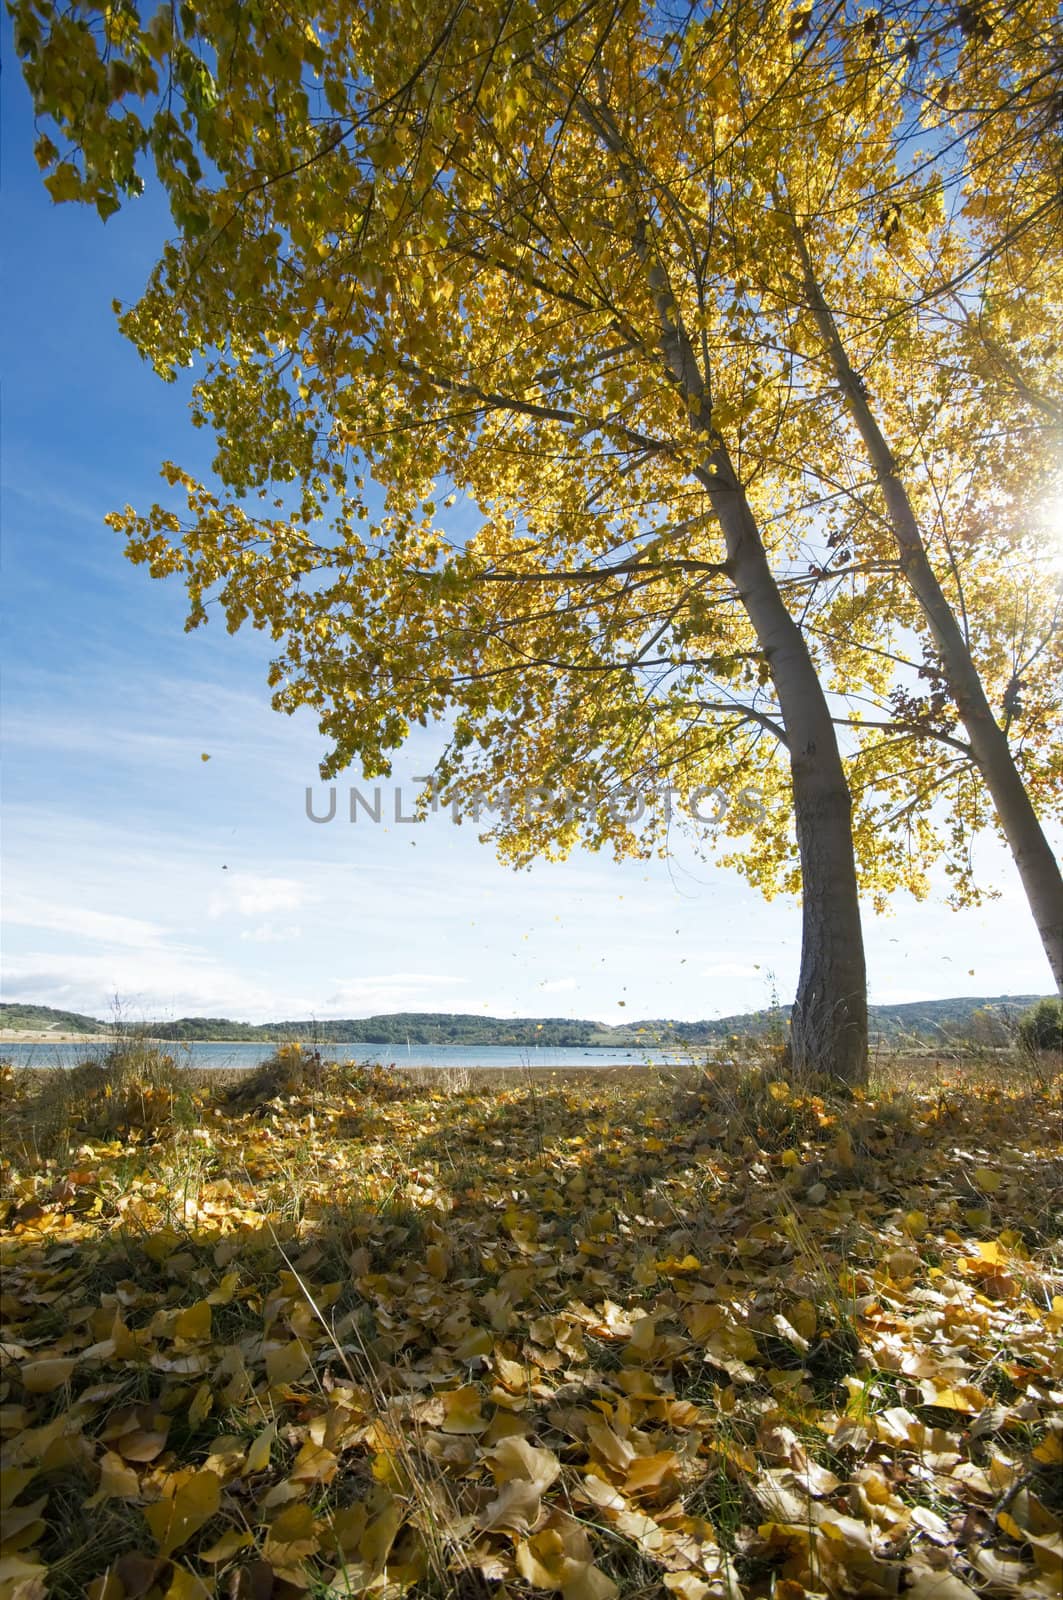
340,1332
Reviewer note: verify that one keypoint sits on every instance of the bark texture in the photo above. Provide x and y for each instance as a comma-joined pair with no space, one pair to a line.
828,1029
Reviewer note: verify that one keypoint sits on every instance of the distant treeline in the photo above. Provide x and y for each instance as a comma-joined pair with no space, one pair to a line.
989,1021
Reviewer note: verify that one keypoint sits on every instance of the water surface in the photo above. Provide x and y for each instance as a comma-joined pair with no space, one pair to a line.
209,1054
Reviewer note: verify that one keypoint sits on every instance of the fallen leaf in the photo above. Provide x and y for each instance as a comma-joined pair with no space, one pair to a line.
174,1519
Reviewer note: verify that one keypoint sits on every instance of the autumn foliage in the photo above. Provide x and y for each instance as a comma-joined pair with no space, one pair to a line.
354,1332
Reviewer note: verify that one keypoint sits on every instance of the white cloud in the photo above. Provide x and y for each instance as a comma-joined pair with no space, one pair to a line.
269,933
559,986
99,926
395,991
730,969
251,896
150,985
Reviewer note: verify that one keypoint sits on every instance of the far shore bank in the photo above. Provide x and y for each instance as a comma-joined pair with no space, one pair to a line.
46,1036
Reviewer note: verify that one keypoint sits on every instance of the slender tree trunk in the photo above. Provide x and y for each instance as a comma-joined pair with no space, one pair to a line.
1038,867
829,1020
828,1030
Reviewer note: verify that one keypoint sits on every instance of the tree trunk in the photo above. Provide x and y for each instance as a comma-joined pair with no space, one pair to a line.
1038,867
828,1030
829,1020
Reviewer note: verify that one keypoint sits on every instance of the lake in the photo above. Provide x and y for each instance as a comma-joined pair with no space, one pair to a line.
218,1055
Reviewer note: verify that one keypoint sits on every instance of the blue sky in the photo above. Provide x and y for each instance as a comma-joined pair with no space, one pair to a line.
134,868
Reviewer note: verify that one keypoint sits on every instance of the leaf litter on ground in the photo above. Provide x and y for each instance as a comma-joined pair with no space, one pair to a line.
342,1331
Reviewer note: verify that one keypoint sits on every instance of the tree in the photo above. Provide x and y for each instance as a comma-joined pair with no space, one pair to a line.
933,332
1041,1028
409,251
513,255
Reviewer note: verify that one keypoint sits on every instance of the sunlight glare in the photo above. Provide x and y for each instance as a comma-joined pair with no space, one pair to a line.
1051,523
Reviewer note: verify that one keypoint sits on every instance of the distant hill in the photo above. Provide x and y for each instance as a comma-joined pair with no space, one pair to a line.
990,1020
47,1019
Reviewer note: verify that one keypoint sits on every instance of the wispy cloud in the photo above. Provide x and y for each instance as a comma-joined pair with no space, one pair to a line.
249,896
99,926
270,933
395,991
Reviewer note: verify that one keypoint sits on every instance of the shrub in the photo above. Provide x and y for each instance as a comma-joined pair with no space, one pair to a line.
1041,1028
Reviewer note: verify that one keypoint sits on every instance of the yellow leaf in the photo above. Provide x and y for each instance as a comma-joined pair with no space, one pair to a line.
583,1581
142,1444
380,1535
229,1545
200,1405
688,1586
1050,1450
347,1526
958,1397
194,1323
843,1149
649,1472
184,1585
259,1452
12,1482
437,1261
478,1342
22,1526
805,1318
916,1224
292,1537
107,1587
539,1559
222,1295
990,1250
20,1576
514,1457
176,1518
42,1377
903,1263
462,1410
609,1447
314,1464
987,1180
286,1364
117,1481
516,1507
